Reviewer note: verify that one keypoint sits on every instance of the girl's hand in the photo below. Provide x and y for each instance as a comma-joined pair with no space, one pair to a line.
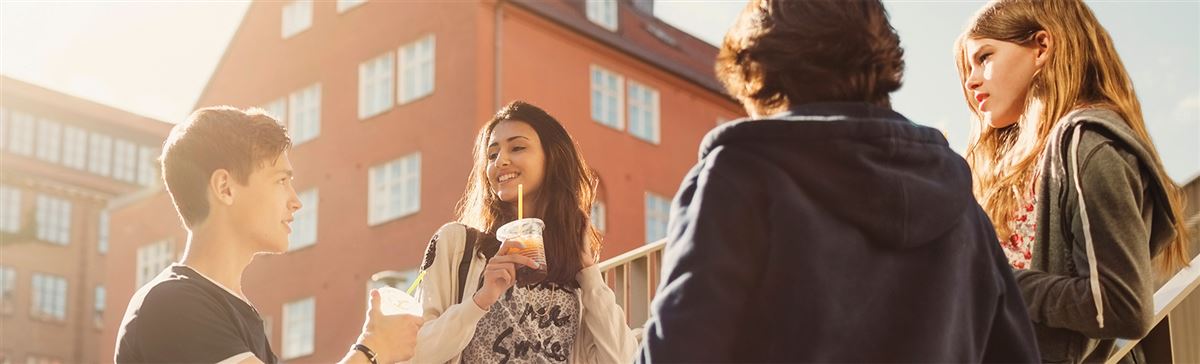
501,273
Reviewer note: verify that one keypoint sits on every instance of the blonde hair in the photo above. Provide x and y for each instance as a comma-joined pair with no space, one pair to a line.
1083,69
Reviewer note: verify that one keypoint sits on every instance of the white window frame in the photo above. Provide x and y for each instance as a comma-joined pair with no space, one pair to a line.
53,219
49,299
299,328
644,115
10,209
658,213
376,84
603,13
345,5
8,289
600,216
304,115
609,87
277,109
147,166
49,140
416,67
75,144
304,227
125,161
102,232
99,294
402,174
100,154
297,16
152,259
21,133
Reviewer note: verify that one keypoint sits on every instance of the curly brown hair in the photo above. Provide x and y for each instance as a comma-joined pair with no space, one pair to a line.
782,53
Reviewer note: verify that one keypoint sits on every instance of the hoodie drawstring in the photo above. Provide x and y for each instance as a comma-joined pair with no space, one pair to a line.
1087,229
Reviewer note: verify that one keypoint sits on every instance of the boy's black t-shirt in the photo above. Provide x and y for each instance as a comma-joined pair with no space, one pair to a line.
182,317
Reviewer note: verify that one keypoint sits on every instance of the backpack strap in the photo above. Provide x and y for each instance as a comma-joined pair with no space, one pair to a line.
464,266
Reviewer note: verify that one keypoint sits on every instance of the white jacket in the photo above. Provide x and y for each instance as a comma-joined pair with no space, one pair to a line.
603,336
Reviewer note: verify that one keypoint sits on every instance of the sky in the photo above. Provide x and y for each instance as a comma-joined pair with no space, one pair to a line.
154,58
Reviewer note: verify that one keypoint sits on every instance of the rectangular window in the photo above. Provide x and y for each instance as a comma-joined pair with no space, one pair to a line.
102,233
599,220
658,211
49,296
10,209
606,97
344,5
304,227
8,289
100,154
299,323
375,85
21,133
305,116
417,69
297,16
147,166
603,13
277,109
49,140
643,112
125,161
152,259
395,189
75,147
98,306
53,219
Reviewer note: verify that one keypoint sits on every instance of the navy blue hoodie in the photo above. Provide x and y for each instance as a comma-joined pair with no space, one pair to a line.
834,232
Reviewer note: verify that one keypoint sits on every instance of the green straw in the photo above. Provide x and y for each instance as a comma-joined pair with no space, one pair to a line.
416,282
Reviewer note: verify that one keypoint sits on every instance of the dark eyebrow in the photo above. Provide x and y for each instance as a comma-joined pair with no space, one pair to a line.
286,172
510,139
975,56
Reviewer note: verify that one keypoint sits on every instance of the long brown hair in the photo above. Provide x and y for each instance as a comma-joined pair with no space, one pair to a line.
565,196
1083,69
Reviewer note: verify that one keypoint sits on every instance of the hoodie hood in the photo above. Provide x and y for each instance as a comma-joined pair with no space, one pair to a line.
870,166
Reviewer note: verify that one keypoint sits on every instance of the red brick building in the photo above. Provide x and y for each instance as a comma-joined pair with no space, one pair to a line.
64,161
384,99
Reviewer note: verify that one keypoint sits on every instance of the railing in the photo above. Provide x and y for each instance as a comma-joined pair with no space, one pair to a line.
633,277
1176,328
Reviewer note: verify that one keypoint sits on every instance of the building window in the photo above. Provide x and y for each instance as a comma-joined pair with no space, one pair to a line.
53,219
102,233
8,288
657,212
304,227
152,259
10,209
21,134
643,112
375,85
606,97
74,147
599,220
297,16
4,117
98,306
100,155
49,140
395,189
42,360
49,296
277,109
298,326
344,5
268,326
416,69
305,114
147,166
125,161
603,13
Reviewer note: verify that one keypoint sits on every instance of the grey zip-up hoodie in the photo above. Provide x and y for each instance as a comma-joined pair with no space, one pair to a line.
1102,214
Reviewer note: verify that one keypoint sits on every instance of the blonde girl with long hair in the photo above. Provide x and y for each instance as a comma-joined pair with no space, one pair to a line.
1066,170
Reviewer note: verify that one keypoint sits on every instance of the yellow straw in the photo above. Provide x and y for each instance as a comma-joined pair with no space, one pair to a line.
520,201
416,282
